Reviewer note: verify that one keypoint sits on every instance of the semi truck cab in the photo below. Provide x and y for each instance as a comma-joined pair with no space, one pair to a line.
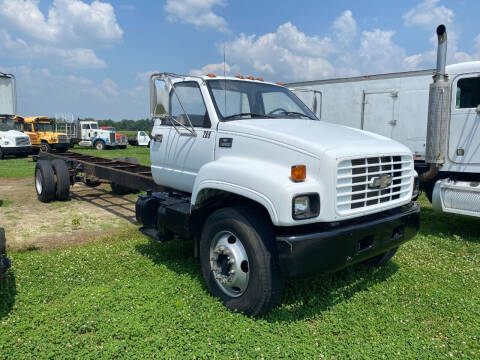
266,190
121,139
91,134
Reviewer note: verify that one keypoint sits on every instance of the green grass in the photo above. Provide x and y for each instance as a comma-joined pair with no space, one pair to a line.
127,297
18,168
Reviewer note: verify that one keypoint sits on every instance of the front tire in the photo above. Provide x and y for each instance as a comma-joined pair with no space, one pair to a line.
241,240
45,147
44,181
99,145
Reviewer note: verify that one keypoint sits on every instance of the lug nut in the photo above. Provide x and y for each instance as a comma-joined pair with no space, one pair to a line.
221,248
231,261
231,272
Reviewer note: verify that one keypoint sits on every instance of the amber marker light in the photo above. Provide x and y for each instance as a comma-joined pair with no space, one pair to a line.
211,75
250,78
259,79
279,83
240,77
298,173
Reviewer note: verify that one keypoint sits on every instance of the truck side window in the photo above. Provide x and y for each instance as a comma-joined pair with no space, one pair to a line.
468,93
85,126
192,100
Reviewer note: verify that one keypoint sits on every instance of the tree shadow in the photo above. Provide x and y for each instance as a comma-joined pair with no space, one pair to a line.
8,290
302,298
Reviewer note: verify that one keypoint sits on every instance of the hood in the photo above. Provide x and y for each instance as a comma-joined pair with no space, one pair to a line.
13,134
315,137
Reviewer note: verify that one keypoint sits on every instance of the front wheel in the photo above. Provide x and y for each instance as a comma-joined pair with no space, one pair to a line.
99,145
45,147
239,260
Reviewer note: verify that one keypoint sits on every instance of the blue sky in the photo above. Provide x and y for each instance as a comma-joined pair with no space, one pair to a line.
92,58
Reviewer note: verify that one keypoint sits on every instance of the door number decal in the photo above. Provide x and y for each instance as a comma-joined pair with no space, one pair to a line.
206,134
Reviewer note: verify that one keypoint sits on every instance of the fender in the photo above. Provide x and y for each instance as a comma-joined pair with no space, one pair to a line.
263,182
101,139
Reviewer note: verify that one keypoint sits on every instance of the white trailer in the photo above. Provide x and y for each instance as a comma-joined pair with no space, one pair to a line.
396,105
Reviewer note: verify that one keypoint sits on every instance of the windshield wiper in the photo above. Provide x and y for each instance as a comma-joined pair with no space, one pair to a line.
297,113
248,114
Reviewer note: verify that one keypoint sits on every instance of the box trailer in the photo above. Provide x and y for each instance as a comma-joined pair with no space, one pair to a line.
440,124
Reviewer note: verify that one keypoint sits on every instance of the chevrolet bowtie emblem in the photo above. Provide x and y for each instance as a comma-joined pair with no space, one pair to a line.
380,182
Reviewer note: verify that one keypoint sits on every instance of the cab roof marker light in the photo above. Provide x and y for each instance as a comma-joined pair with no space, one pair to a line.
240,77
259,79
250,78
211,75
279,83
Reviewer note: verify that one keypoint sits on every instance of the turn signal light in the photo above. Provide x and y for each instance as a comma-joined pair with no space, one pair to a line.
240,77
298,173
211,75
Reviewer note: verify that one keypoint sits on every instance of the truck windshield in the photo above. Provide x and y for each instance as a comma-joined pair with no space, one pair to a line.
43,127
7,124
236,99
94,126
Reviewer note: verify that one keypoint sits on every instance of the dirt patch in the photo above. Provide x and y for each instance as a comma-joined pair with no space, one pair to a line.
90,212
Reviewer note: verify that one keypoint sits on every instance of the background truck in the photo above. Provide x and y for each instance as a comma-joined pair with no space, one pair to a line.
438,122
140,138
121,139
90,134
12,141
43,135
264,189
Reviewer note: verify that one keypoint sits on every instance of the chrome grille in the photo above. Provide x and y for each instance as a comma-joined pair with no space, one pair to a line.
62,138
358,182
22,141
123,139
112,138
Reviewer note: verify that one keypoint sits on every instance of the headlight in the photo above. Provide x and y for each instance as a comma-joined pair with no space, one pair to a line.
416,187
305,206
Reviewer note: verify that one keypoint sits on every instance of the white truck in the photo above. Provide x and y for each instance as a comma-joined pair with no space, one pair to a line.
141,138
12,141
90,134
397,106
264,189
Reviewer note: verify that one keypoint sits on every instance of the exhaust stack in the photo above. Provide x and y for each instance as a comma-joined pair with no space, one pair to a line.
438,109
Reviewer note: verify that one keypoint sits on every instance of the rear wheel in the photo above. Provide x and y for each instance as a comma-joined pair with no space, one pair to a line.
99,145
44,181
382,259
239,260
62,189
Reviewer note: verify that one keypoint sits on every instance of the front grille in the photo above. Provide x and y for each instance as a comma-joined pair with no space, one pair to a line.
62,138
112,138
358,182
22,141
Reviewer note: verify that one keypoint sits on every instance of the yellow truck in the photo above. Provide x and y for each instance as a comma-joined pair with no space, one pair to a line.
41,130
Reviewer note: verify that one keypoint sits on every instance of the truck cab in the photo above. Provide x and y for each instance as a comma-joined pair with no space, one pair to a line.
121,139
141,138
12,141
266,190
91,134
41,130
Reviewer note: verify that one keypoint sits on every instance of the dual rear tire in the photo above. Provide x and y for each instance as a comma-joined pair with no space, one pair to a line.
52,180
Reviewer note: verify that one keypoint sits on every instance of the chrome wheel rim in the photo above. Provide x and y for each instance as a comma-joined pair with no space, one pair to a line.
38,182
99,146
229,264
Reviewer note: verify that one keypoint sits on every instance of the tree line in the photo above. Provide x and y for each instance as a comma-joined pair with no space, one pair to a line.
125,124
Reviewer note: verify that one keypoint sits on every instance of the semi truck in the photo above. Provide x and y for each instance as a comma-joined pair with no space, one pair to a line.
438,121
121,139
265,190
43,134
12,141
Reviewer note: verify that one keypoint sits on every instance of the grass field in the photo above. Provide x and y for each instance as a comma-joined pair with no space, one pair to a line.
124,296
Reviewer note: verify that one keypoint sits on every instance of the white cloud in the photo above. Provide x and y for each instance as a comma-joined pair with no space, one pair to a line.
197,12
21,50
215,69
428,13
68,21
345,27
